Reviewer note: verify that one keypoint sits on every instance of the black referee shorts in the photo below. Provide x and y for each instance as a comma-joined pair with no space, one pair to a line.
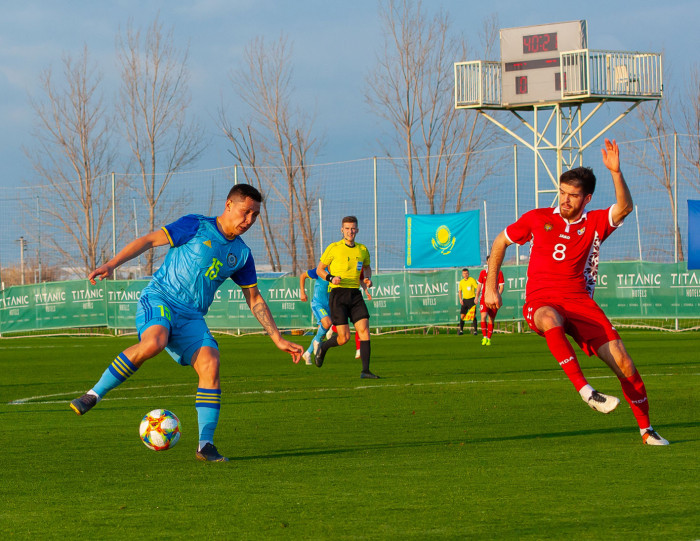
347,304
468,303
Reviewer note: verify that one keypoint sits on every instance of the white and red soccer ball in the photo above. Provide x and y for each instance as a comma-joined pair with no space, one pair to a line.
160,429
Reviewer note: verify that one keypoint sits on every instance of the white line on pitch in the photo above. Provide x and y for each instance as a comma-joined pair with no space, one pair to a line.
38,399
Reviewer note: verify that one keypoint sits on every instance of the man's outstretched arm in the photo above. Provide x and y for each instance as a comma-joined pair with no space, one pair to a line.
492,297
623,197
262,313
130,251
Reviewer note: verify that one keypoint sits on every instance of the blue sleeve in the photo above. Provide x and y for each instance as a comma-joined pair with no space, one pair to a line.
182,230
246,276
311,273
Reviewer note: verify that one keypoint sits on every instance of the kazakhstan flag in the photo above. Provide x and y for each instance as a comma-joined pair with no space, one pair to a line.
442,240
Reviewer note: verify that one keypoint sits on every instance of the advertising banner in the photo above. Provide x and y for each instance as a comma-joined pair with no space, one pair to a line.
52,305
402,299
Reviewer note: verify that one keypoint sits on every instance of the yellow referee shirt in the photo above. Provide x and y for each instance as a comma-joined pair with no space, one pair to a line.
346,261
468,288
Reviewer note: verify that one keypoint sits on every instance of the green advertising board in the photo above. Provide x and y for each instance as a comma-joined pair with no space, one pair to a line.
400,299
52,305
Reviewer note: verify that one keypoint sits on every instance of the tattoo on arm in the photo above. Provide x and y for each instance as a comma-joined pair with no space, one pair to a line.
262,313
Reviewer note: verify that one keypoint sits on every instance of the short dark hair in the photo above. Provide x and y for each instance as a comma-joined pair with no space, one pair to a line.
465,269
349,220
580,177
241,191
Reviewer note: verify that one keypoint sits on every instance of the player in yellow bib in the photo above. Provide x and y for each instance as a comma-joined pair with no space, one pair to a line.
341,265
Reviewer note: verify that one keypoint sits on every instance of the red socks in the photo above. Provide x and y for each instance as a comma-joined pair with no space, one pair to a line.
487,329
564,354
636,395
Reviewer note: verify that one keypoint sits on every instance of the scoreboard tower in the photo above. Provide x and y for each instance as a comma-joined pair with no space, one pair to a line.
549,71
530,60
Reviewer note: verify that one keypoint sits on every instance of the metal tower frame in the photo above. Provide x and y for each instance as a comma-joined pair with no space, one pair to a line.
589,76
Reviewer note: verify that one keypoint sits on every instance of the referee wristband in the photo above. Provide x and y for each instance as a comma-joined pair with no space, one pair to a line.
329,277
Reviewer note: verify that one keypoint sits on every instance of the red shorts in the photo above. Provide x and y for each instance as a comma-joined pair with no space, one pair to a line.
584,321
485,309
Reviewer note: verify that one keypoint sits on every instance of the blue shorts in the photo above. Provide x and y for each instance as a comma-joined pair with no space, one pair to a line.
186,333
320,311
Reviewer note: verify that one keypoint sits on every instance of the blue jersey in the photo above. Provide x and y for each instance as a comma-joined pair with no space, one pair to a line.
198,262
320,289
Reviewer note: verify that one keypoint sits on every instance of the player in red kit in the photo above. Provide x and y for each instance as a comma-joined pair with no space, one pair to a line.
564,251
488,315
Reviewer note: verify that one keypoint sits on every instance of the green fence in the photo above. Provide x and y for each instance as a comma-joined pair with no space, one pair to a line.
629,290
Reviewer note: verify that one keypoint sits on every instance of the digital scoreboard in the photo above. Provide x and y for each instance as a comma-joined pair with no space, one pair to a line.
530,71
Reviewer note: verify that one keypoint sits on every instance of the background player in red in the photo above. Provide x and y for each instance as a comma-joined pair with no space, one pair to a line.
488,315
561,276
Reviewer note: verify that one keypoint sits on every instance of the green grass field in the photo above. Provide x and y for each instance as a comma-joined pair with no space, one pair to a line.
455,441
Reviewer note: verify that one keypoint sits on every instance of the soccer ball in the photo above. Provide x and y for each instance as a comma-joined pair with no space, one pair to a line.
160,430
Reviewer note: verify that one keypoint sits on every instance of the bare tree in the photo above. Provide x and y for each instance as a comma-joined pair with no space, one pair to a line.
656,122
73,158
274,145
690,119
412,87
244,152
153,106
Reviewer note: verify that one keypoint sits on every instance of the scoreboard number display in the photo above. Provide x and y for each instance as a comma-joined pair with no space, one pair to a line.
530,61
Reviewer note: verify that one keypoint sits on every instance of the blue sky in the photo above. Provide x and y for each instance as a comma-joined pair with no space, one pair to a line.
335,45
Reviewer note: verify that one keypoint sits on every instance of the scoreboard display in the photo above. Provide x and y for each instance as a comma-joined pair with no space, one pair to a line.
530,71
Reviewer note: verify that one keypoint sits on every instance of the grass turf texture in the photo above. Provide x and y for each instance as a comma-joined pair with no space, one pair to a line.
455,441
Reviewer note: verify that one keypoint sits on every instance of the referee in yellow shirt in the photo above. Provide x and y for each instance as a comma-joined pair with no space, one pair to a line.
341,265
466,297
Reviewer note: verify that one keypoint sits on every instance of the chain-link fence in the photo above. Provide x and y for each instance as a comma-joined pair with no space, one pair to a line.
42,236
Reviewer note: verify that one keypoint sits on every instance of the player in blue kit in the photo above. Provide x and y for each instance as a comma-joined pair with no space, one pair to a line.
319,307
204,252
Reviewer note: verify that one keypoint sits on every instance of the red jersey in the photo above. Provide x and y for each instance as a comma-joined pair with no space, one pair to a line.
563,256
482,282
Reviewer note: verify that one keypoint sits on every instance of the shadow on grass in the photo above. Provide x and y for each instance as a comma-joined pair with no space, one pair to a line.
473,441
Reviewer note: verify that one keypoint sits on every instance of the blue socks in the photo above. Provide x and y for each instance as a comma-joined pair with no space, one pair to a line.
117,373
208,405
320,333
207,401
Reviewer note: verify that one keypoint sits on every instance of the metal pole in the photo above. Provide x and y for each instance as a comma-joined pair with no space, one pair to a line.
114,220
320,225
535,154
639,237
517,215
486,228
235,174
38,250
136,231
376,224
21,259
675,197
